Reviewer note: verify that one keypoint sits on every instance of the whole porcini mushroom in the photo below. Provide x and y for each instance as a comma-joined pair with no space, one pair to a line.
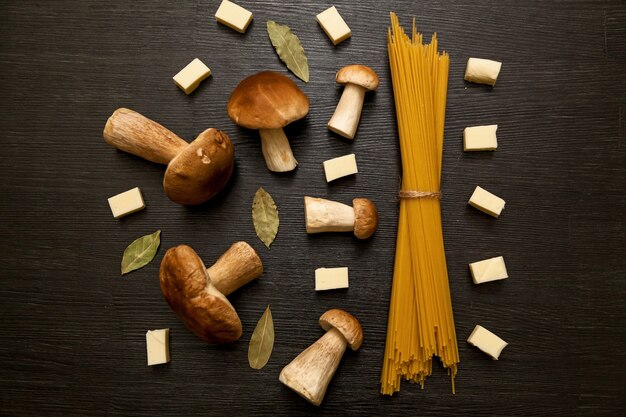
269,101
331,216
198,295
357,79
195,171
311,371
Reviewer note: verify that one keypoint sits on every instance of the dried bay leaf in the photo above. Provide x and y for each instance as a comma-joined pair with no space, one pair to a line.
265,216
140,252
262,341
289,49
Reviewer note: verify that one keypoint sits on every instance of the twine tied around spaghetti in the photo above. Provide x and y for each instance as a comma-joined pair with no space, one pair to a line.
419,194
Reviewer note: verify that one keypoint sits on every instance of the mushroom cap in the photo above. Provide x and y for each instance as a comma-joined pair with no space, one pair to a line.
365,217
267,100
186,286
359,75
346,323
201,170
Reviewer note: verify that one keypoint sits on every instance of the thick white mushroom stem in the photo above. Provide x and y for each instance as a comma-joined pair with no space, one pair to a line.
239,265
134,133
346,118
276,150
327,216
311,371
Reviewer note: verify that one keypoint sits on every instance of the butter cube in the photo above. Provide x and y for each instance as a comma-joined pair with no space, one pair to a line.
333,24
482,71
233,16
486,202
190,77
157,345
486,341
340,167
331,278
491,269
126,203
480,138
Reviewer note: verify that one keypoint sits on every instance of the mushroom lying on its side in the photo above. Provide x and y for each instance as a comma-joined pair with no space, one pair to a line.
311,371
331,216
195,171
198,295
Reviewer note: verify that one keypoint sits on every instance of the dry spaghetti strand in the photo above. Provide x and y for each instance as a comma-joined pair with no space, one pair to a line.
420,323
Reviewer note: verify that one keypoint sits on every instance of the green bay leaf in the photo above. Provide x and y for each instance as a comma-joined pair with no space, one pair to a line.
289,49
140,252
262,341
265,216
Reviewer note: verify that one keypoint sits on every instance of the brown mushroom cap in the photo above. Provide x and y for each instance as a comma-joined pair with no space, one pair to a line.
201,170
267,100
359,75
365,217
186,286
346,323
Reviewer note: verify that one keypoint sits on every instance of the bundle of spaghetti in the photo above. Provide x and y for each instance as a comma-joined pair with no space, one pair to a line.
420,321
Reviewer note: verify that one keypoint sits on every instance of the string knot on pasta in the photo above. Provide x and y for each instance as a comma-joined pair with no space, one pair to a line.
419,194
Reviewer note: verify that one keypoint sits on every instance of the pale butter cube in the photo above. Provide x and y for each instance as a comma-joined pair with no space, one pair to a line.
486,202
190,77
333,24
331,278
340,167
126,203
486,341
158,346
491,269
482,71
233,16
480,138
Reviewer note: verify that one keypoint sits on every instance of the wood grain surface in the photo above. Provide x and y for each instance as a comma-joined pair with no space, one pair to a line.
73,330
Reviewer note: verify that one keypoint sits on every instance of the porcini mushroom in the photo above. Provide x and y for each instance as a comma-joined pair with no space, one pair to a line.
195,172
198,295
330,216
269,101
357,79
311,371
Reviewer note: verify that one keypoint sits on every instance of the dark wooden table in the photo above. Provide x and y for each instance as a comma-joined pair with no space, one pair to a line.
73,330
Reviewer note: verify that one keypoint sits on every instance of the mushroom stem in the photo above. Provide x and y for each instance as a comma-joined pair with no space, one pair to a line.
276,150
239,265
134,133
346,118
311,371
327,216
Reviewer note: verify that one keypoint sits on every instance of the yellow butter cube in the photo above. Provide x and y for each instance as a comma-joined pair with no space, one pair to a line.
486,341
233,16
486,202
333,24
190,77
126,203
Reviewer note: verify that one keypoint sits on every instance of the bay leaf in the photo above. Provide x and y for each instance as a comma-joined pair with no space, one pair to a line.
265,216
289,49
262,341
140,252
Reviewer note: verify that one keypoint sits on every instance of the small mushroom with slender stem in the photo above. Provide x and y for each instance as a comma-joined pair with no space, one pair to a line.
195,171
269,101
331,216
198,295
311,371
357,79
